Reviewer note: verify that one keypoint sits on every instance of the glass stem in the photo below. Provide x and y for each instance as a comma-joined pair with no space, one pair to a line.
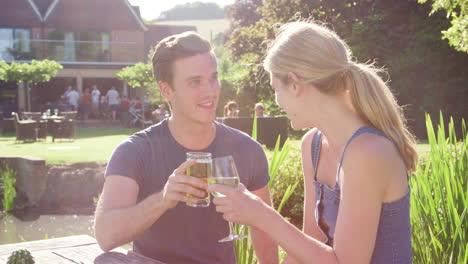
231,229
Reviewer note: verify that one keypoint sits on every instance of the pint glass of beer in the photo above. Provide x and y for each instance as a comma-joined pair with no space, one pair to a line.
202,170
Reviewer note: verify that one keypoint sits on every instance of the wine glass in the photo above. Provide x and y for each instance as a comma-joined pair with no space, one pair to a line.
225,173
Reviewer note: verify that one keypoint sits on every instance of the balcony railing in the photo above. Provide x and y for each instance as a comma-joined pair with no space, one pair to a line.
69,51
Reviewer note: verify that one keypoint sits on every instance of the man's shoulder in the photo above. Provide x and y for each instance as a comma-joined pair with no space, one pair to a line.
143,137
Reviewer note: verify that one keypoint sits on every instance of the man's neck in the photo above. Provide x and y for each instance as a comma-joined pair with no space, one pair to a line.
191,135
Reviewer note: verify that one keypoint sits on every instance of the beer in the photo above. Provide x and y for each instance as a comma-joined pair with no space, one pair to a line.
202,170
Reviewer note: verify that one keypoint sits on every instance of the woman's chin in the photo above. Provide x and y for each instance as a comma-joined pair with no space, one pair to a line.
299,125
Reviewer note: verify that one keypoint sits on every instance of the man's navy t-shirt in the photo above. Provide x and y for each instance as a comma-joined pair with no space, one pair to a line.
184,234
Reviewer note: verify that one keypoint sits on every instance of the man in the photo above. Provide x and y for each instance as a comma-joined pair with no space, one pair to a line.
144,193
73,99
114,101
95,94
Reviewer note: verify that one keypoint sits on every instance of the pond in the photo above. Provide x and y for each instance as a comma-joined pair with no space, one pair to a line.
13,230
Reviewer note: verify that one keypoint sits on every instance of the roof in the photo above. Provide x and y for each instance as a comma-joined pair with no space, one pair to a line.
19,13
93,15
43,6
156,33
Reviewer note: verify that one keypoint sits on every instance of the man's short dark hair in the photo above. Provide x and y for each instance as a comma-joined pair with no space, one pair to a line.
175,47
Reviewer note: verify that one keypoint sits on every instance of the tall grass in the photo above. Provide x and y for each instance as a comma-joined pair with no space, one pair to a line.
8,180
243,247
439,198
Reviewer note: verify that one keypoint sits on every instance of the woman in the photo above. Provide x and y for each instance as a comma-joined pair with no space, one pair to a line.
231,109
355,161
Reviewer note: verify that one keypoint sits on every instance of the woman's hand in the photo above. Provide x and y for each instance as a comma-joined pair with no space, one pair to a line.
239,205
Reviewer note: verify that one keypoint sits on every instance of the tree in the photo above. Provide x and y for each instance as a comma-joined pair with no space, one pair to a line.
29,73
427,74
457,10
191,11
141,76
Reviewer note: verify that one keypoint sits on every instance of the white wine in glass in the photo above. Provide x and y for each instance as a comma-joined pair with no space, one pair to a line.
225,173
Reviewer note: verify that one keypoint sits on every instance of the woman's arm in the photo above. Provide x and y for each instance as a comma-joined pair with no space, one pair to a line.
309,224
368,167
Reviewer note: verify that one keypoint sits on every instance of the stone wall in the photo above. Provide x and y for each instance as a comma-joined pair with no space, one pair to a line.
55,189
31,177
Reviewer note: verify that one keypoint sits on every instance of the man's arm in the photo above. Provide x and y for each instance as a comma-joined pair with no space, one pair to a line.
265,248
119,219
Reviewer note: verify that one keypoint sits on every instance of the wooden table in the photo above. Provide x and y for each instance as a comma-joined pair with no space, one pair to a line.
81,249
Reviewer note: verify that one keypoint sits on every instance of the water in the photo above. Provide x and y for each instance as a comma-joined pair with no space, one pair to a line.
13,230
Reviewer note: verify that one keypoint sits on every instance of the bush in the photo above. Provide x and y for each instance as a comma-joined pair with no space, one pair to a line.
290,173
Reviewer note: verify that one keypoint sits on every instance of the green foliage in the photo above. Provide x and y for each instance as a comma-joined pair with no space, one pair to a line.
440,198
397,35
289,178
29,73
8,179
457,10
21,256
34,72
231,79
138,75
243,247
141,76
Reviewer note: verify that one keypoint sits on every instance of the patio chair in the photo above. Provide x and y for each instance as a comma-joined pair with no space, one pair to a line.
26,130
63,129
41,123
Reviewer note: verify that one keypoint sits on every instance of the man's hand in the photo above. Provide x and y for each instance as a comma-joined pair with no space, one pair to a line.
179,185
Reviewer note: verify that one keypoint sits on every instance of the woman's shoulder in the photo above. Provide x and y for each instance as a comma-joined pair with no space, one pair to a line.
306,141
373,156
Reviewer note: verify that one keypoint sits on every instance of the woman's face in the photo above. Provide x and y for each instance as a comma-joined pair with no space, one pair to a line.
291,102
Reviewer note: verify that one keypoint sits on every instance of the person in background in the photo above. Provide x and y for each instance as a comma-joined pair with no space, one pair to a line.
259,110
104,107
356,158
124,111
161,112
95,95
73,99
113,101
65,95
146,106
231,109
86,104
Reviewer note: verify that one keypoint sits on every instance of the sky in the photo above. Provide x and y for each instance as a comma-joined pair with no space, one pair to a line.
150,9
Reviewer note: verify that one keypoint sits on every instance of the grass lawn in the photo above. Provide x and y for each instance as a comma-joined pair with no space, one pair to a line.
90,145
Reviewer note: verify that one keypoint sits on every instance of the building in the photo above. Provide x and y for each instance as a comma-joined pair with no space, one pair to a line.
93,40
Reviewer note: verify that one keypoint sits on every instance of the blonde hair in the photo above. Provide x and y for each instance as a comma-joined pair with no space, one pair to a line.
319,57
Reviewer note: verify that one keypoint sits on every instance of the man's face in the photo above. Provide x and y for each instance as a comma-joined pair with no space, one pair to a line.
195,88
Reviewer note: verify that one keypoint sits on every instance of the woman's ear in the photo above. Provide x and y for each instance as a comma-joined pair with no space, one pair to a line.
297,83
166,90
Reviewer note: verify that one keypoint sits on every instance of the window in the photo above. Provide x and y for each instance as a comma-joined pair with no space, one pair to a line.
79,46
15,44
